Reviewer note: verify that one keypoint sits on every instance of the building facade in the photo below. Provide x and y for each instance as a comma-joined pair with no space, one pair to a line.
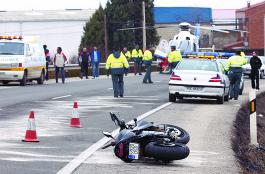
55,28
251,19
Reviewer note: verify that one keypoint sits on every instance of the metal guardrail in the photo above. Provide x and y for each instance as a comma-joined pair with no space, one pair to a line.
101,65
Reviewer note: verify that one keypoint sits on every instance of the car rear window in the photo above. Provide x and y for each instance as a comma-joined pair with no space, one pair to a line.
194,64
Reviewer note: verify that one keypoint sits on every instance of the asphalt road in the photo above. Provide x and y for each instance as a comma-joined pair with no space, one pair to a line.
52,104
208,123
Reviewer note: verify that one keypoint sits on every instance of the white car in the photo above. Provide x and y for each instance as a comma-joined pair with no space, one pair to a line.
247,67
194,77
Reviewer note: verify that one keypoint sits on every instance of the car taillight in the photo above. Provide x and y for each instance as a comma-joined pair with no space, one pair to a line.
174,77
217,78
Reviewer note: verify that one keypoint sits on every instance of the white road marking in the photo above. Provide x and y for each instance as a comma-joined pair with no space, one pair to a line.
61,97
110,88
5,87
76,162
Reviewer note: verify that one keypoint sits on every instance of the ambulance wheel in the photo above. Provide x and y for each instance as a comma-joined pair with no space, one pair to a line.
41,79
23,81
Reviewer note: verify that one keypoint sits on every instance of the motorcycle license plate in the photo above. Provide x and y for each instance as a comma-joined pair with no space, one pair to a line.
134,151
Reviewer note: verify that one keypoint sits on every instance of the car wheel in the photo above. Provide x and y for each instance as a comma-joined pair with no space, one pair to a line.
172,97
226,98
241,90
23,81
220,100
41,79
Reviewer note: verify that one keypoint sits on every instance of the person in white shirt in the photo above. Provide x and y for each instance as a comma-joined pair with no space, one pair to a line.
59,62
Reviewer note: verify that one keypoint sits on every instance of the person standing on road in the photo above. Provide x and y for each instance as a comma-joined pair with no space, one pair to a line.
117,65
126,53
234,69
137,56
59,63
147,59
174,57
84,60
48,60
95,60
255,64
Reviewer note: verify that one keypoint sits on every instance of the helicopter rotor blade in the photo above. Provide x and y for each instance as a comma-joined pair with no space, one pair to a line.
209,28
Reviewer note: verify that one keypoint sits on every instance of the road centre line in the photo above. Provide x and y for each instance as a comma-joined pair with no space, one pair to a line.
64,96
76,162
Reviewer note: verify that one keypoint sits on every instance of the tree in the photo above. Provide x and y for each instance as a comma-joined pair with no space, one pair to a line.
128,14
120,14
93,30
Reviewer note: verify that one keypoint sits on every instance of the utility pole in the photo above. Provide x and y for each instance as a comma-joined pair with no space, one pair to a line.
106,36
144,26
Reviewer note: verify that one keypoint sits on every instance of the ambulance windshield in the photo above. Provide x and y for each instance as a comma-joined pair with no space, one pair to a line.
11,48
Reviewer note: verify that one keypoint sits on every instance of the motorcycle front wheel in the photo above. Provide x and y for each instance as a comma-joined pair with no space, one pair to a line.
183,136
166,151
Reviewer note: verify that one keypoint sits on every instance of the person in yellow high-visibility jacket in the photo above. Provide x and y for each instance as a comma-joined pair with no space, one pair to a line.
147,60
137,56
235,71
117,65
126,53
174,57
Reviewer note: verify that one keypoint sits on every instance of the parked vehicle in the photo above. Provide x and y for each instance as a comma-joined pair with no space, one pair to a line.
143,139
247,67
199,77
21,59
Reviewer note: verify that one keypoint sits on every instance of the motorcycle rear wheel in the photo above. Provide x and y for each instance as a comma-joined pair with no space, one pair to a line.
166,151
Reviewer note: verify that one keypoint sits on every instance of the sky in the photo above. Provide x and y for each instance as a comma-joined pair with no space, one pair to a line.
13,5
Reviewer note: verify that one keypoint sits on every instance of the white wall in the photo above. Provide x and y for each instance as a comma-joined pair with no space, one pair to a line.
66,34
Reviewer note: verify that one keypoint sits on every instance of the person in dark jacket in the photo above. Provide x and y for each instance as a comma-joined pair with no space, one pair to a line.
48,61
84,60
255,64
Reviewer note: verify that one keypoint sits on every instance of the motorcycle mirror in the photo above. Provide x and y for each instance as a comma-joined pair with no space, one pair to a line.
135,121
107,134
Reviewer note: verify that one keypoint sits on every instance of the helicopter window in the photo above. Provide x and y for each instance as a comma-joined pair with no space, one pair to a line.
184,28
187,38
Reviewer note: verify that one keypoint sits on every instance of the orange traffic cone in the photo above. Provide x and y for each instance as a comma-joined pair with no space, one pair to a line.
31,134
75,121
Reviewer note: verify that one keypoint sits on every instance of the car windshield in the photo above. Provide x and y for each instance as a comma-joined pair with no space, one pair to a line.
11,48
223,61
197,64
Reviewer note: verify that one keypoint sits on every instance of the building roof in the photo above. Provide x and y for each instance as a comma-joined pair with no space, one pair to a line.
167,15
251,6
46,15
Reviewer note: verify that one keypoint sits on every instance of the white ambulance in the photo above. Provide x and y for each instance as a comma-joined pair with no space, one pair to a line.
22,59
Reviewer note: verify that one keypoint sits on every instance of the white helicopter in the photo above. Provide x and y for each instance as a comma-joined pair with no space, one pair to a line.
184,41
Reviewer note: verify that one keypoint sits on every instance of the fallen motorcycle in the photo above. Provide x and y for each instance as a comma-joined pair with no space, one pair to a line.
136,141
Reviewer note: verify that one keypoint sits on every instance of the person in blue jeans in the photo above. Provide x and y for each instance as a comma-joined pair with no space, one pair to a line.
59,62
95,60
